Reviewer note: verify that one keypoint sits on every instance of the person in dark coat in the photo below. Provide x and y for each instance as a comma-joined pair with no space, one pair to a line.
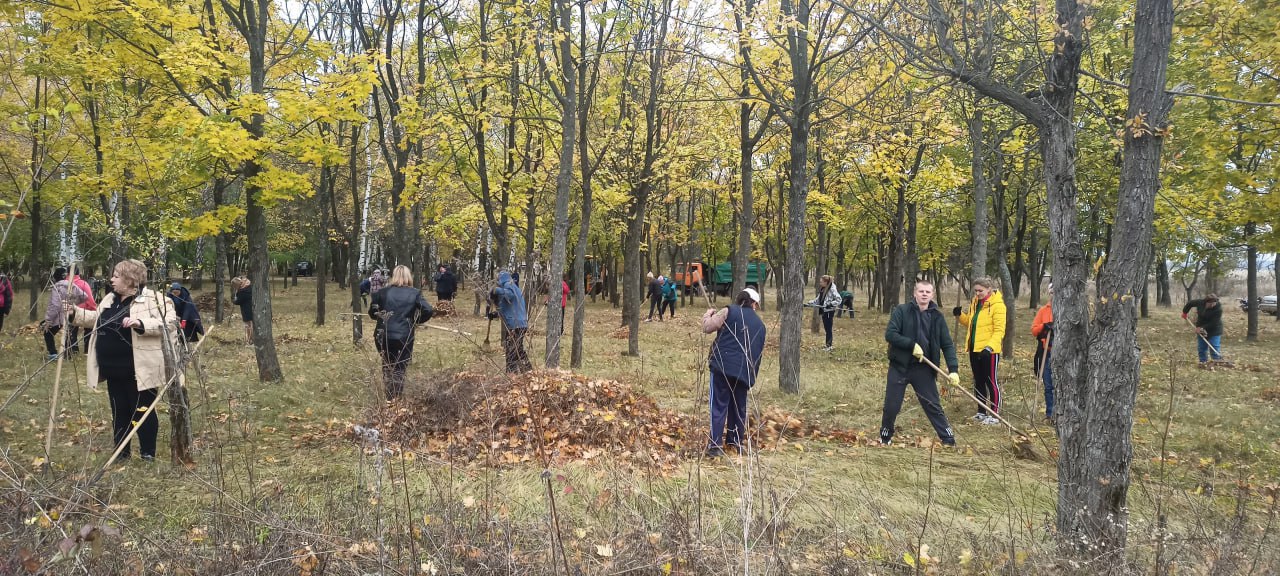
918,330
509,299
1208,326
188,314
446,284
397,308
654,295
734,362
243,296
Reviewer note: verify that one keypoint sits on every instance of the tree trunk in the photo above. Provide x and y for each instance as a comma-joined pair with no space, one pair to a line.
1164,297
1251,282
568,96
978,256
353,239
911,265
322,241
1114,360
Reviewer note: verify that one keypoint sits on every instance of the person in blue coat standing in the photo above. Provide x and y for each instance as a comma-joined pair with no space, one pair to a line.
515,322
734,362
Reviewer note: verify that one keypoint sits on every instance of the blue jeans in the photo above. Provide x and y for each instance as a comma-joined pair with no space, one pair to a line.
1202,348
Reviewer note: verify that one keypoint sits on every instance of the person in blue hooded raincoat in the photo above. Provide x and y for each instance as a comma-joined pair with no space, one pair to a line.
509,299
188,314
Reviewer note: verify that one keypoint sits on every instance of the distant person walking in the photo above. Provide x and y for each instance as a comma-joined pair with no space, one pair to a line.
6,298
918,330
827,301
1208,324
734,362
446,284
654,295
398,309
243,296
62,291
1042,330
376,281
127,351
986,320
515,322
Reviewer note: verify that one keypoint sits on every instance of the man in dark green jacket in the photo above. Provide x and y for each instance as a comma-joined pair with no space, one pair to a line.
1208,325
916,330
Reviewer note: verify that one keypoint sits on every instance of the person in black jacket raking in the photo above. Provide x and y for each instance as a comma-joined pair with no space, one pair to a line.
1208,325
917,330
734,362
397,308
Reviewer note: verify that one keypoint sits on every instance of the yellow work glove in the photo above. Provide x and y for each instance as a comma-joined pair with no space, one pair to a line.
954,379
918,352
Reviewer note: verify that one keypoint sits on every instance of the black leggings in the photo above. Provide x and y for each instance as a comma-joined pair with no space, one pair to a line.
127,402
395,360
827,319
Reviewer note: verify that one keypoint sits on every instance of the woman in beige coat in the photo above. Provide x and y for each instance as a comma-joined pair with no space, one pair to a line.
127,349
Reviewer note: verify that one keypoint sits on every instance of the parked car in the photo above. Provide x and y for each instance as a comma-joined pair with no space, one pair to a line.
303,268
1267,304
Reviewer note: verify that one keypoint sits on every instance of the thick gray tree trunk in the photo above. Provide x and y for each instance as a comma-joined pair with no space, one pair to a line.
1114,365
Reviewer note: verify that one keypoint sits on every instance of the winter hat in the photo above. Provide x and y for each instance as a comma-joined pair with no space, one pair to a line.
175,286
753,294
59,274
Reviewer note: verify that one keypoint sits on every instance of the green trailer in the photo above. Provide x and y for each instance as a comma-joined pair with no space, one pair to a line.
722,280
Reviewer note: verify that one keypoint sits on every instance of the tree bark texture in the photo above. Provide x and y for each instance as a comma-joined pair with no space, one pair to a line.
567,94
1114,363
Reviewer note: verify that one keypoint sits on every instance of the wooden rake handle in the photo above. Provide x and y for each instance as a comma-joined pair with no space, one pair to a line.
970,395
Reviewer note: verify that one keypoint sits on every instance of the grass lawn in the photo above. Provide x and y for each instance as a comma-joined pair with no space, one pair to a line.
282,486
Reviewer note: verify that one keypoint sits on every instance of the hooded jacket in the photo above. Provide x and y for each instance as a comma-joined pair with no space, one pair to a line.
987,329
510,301
158,320
188,314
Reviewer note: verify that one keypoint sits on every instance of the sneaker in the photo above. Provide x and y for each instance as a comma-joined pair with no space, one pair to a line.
886,441
714,452
991,420
52,357
828,348
648,319
148,457
979,417
949,443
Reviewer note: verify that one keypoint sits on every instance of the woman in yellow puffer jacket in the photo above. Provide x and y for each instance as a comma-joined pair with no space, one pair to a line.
985,320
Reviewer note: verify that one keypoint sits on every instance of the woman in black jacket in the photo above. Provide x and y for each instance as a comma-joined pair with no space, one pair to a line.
397,308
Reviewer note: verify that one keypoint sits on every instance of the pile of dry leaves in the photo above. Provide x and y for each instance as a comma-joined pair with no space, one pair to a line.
551,417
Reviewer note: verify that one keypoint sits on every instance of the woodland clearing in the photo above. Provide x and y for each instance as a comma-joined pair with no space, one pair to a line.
284,485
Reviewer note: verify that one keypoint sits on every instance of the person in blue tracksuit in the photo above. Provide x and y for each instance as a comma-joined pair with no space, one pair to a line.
515,322
734,362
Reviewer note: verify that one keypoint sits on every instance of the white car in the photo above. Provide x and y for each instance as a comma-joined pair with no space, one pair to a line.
1268,304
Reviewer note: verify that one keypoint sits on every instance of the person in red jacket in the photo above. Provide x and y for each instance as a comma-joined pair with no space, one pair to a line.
88,304
1042,329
